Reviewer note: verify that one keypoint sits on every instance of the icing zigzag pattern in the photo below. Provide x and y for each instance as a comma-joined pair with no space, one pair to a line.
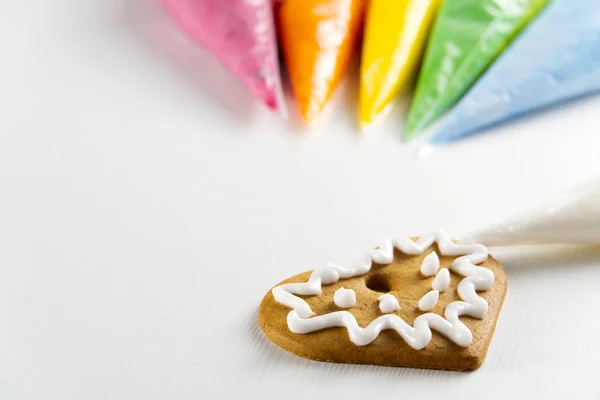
303,320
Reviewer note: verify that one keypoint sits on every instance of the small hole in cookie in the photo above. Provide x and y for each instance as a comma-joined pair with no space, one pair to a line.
378,283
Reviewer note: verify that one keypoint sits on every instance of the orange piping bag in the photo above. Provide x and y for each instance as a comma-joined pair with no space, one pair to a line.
318,39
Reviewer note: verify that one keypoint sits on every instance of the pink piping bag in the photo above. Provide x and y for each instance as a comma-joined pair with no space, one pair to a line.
241,34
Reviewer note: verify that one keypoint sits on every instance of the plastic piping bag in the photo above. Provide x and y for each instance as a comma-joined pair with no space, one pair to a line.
572,218
318,39
394,42
466,38
241,34
556,59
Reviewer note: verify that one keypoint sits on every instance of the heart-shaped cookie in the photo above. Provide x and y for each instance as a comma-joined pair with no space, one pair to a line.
424,303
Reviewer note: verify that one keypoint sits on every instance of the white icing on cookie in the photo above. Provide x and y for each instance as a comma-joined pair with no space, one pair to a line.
428,302
441,282
301,318
430,264
388,303
344,298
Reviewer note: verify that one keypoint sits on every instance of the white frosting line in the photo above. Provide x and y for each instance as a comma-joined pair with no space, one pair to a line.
417,336
428,302
344,298
430,264
441,282
388,303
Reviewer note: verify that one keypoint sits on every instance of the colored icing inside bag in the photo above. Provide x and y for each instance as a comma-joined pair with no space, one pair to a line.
318,38
466,38
395,36
556,59
241,34
572,218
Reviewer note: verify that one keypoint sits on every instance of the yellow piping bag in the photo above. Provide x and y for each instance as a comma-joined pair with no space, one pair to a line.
395,37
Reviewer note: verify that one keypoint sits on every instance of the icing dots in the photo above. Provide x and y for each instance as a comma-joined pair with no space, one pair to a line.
441,282
428,302
344,298
388,303
431,264
301,319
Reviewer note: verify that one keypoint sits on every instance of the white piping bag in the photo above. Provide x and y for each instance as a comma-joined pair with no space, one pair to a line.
571,219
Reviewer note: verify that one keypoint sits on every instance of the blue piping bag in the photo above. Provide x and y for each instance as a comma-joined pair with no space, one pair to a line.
556,59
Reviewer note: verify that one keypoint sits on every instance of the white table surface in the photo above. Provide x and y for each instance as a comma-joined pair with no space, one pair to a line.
147,204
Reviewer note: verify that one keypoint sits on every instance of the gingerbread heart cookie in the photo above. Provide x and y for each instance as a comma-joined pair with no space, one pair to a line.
423,303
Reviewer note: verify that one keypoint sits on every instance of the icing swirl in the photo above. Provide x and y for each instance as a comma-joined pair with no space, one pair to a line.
301,319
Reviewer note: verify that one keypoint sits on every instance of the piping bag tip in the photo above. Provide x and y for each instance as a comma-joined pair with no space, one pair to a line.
409,132
416,125
273,101
366,121
421,149
422,146
372,116
370,111
309,110
365,127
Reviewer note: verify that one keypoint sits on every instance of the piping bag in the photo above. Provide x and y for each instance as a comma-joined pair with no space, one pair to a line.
318,39
241,34
394,42
466,38
556,59
570,219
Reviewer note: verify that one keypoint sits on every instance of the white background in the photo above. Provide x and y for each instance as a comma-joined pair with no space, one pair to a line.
147,204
